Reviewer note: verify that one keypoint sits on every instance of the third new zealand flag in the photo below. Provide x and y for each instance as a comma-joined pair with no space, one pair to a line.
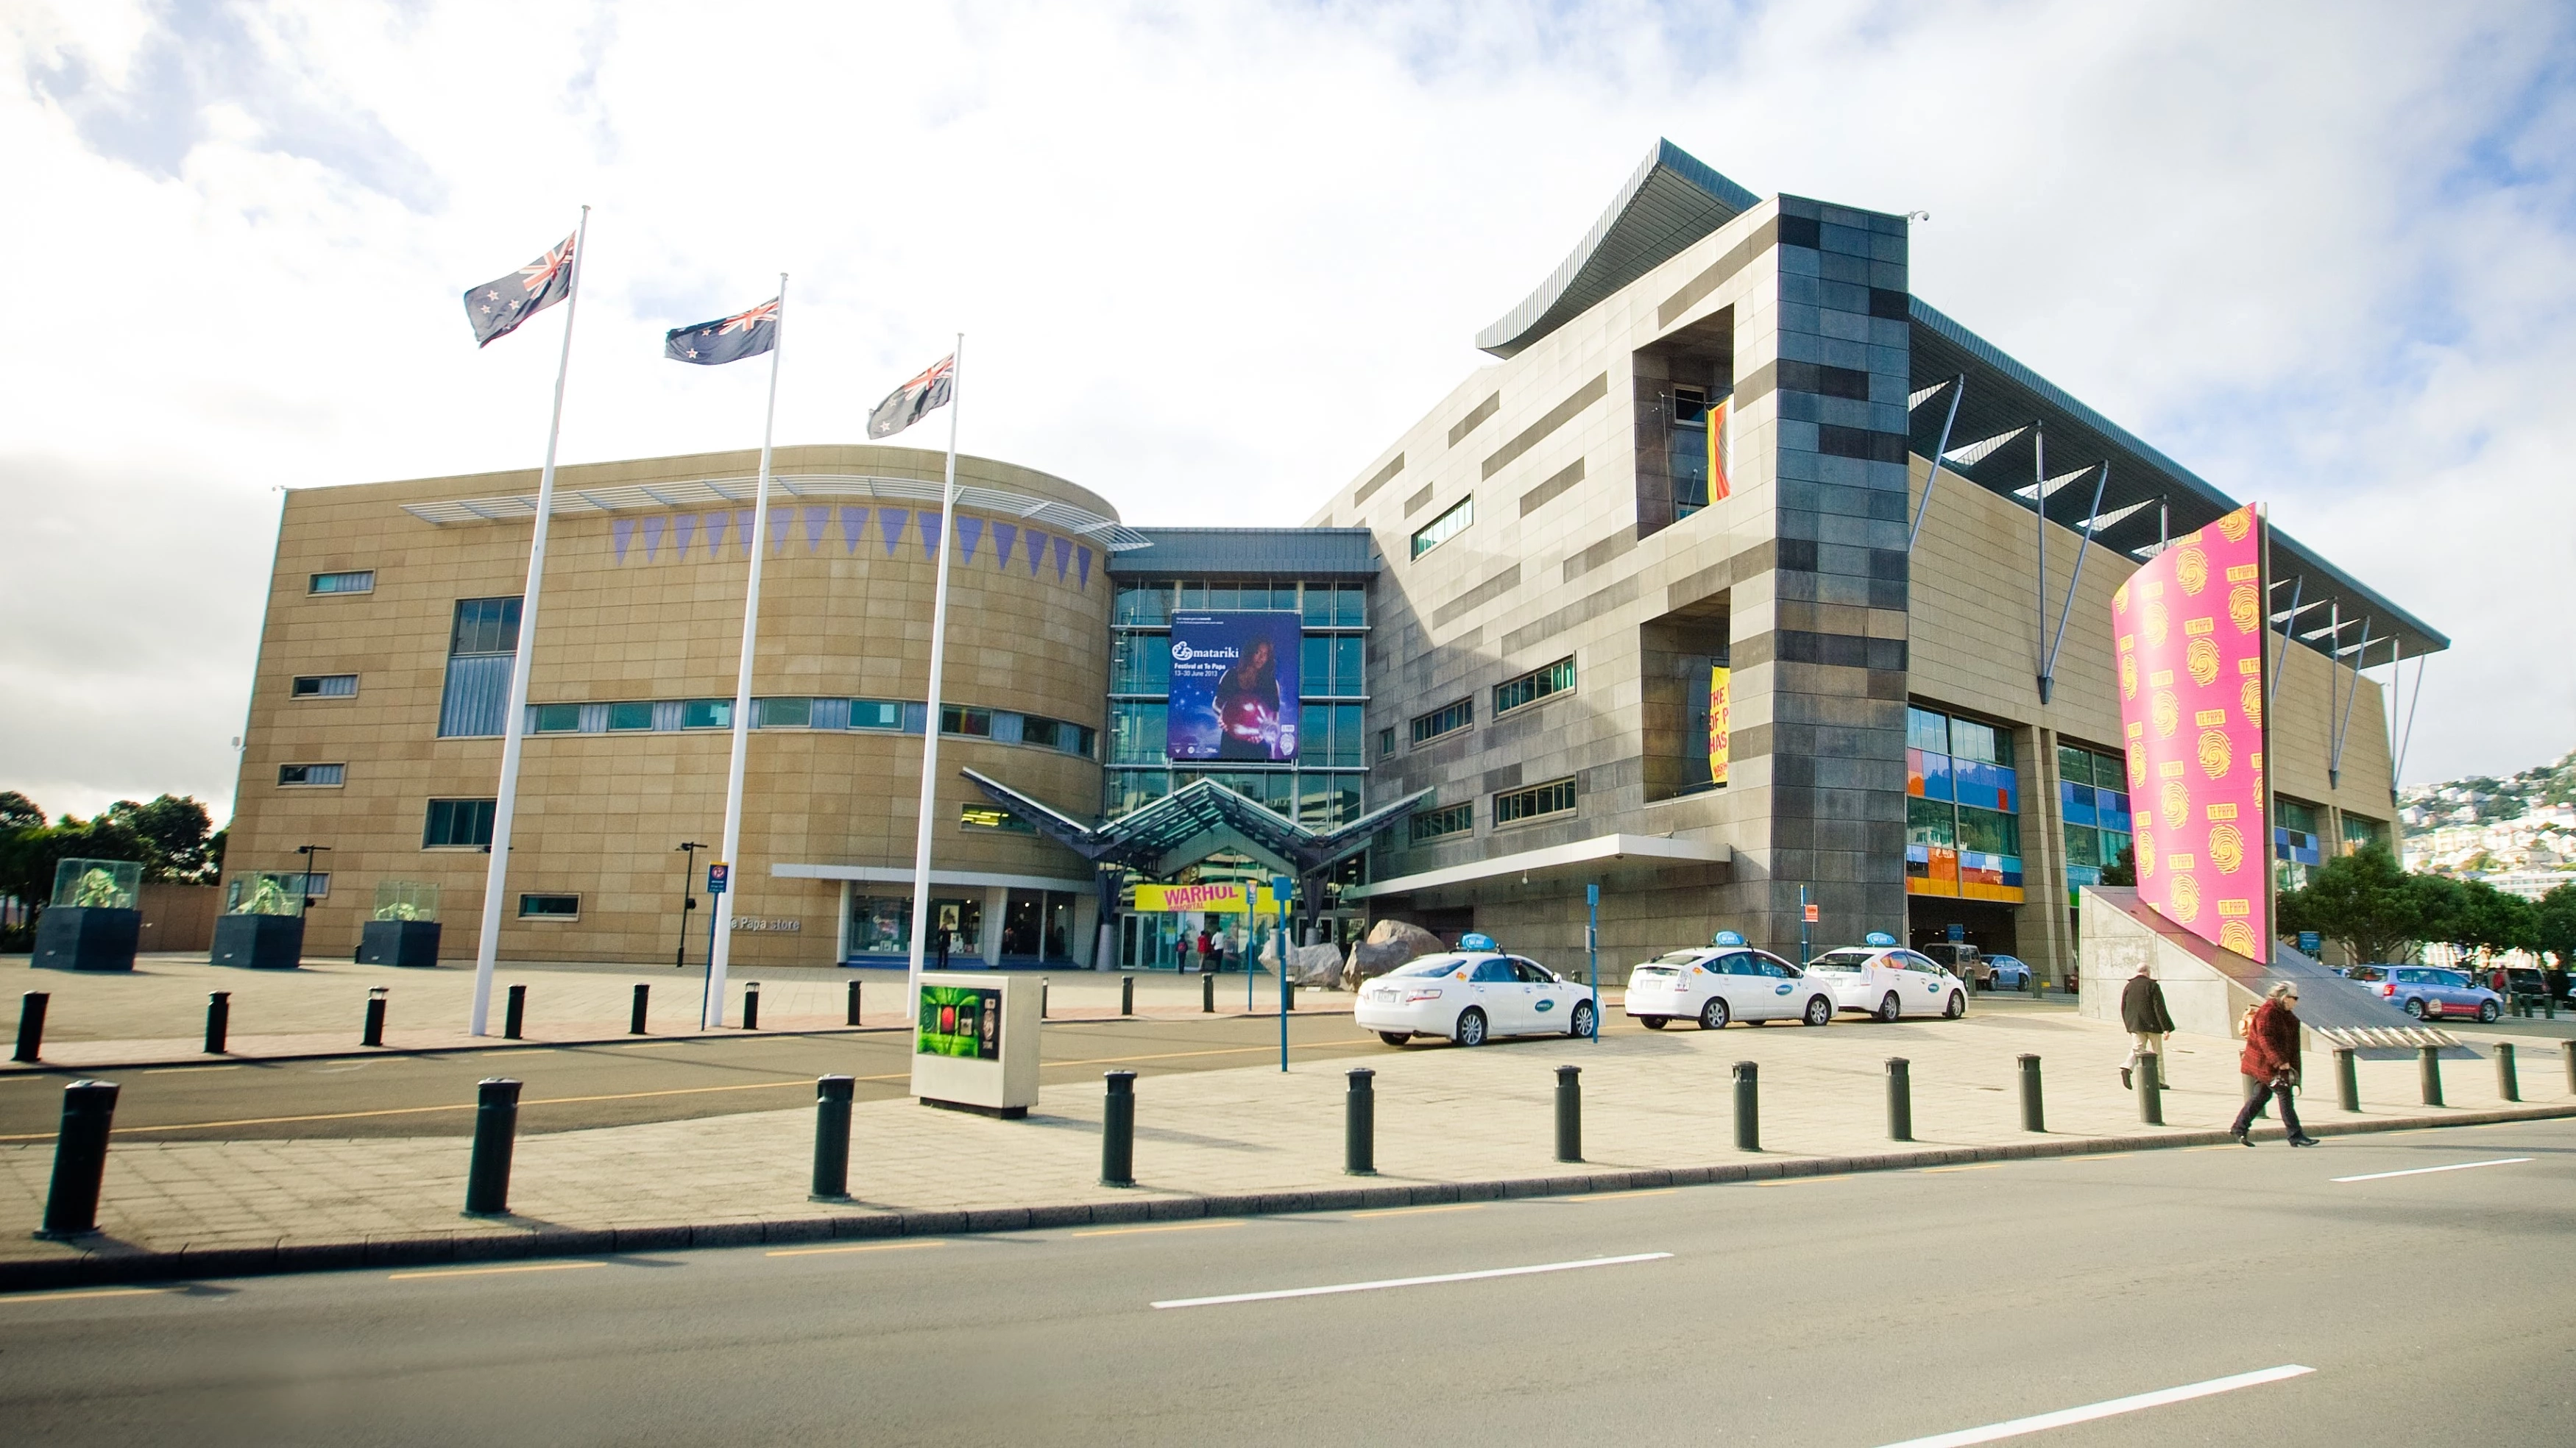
912,401
726,339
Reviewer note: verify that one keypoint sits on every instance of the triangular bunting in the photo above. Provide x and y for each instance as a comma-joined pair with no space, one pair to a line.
715,524
893,521
1082,566
742,530
653,527
854,526
685,531
1006,538
970,531
1063,556
622,532
1037,551
815,518
930,535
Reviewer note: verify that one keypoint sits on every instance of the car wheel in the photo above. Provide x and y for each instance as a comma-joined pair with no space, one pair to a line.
1820,1011
1395,1038
2487,1012
1713,1015
1957,1007
1652,1023
1888,1009
1583,1022
1471,1028
2415,1009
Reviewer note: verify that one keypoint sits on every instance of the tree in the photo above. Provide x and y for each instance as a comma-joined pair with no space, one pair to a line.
2362,900
176,828
2124,870
2473,916
17,812
28,857
2554,925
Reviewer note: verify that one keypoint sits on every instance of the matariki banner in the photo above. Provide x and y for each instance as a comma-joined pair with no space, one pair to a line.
2189,627
1234,686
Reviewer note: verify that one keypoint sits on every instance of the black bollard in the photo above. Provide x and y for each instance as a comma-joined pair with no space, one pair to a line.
1287,995
496,1130
514,1021
31,1025
2428,1073
2151,1089
832,1138
2506,1086
1569,1113
854,1002
2347,1079
1118,1130
635,1017
1748,1106
1126,995
2568,1050
374,1035
1900,1099
2033,1118
1042,1000
1207,994
80,1159
751,1006
1359,1124
219,1020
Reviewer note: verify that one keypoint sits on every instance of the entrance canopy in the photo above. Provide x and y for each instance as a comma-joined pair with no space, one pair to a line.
1192,822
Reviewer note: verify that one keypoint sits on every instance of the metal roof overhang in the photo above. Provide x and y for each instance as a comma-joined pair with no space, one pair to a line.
1672,200
1192,821
2003,395
1590,855
1109,533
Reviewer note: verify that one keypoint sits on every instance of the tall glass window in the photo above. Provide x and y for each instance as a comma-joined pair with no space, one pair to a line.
2093,799
1963,806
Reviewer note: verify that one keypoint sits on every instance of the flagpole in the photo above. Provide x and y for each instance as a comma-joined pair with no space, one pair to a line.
930,721
514,725
711,1009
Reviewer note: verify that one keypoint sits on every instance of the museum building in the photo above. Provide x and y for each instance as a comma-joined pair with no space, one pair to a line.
1691,497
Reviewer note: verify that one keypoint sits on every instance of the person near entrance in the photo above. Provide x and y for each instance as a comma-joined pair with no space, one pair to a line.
939,944
2142,1010
1207,947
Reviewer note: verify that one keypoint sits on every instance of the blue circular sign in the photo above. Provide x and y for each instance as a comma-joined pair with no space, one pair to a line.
1879,938
1473,941
1727,937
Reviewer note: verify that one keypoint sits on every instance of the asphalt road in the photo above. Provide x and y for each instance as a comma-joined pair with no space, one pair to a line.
571,1087
2430,1307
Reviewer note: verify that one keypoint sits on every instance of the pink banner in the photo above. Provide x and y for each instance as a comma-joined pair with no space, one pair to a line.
2191,641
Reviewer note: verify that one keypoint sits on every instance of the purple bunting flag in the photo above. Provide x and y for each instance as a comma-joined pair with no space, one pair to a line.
893,521
622,530
1006,537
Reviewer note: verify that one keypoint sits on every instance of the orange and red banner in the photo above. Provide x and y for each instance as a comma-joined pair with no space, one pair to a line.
2189,626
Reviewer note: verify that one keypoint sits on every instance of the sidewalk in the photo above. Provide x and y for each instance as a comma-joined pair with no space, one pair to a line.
156,1014
1450,1123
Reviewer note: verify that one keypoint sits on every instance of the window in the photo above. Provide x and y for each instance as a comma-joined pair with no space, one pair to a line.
1144,603
311,774
630,716
1448,719
1136,733
316,885
1385,742
1445,527
875,714
550,907
782,713
360,581
558,718
1537,684
456,824
1927,730
1141,664
989,817
1553,797
2359,833
706,714
1455,819
972,723
485,626
480,642
326,686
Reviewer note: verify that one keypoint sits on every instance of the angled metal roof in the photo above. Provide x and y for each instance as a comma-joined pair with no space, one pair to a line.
1109,533
1185,825
1993,445
1305,552
1672,200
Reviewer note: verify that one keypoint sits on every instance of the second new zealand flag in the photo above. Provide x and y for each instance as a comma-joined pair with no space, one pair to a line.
726,339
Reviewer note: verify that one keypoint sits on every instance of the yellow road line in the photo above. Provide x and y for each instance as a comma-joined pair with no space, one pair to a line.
1421,1211
1963,1166
1165,1227
79,1295
493,1271
863,1247
1621,1196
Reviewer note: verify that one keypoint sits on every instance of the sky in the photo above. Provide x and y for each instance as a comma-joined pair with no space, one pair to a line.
1210,258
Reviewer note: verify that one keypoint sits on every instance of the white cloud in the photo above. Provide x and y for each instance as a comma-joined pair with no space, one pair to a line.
1211,258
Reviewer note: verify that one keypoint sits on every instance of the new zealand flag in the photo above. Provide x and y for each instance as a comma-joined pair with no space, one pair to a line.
726,339
913,401
498,307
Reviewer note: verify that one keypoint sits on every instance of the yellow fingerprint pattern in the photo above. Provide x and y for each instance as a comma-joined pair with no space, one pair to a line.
2191,570
2137,767
2244,609
2120,599
2177,803
2145,845
2128,676
2183,896
2157,624
2249,698
2168,713
2215,753
2235,524
2236,935
2200,656
2226,849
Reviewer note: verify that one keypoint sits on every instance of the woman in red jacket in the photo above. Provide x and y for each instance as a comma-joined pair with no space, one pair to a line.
2272,1057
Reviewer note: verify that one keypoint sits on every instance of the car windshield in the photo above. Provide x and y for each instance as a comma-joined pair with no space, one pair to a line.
1436,965
1678,957
1840,960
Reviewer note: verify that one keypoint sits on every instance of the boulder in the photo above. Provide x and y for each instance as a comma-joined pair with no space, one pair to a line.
1308,965
1389,943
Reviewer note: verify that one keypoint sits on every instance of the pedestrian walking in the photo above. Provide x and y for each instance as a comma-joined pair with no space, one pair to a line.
1207,947
939,939
2272,1058
2142,1010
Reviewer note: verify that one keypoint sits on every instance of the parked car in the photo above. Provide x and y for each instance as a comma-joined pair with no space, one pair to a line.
2007,972
1724,982
1880,979
1471,995
2429,992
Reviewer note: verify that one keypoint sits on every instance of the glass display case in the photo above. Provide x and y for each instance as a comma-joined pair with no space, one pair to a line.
265,892
97,884
91,922
409,900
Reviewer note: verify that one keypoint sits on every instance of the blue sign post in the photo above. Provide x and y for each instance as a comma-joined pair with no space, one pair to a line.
1592,949
1956,933
2310,942
719,875
1280,886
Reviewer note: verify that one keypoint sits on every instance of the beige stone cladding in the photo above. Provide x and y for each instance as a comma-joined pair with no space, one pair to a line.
842,615
1977,648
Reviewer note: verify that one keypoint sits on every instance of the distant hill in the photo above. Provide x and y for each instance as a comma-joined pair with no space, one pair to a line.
2480,825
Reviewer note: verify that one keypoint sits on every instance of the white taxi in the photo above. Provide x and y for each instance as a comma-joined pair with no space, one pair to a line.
1727,981
1883,980
1472,995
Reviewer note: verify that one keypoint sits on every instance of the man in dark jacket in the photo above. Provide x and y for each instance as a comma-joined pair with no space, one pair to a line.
2142,1010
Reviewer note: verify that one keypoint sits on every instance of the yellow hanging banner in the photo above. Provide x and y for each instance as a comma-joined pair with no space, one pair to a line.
1206,899
1717,723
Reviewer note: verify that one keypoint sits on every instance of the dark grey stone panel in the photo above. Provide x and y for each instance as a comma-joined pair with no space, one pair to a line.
1478,596
1495,780
1555,417
1482,410
1591,606
1415,503
1603,551
1378,480
1550,490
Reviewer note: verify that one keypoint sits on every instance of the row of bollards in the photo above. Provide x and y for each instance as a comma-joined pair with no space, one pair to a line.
1207,994
31,1025
854,1002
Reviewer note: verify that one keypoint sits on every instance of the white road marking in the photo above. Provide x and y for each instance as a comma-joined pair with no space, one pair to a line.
1412,1281
2426,1170
2163,1397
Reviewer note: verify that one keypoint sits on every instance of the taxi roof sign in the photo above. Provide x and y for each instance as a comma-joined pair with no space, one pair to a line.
1474,941
1728,937
1879,938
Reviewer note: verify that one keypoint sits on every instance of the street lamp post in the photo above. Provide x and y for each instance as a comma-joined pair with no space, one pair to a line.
688,898
308,852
